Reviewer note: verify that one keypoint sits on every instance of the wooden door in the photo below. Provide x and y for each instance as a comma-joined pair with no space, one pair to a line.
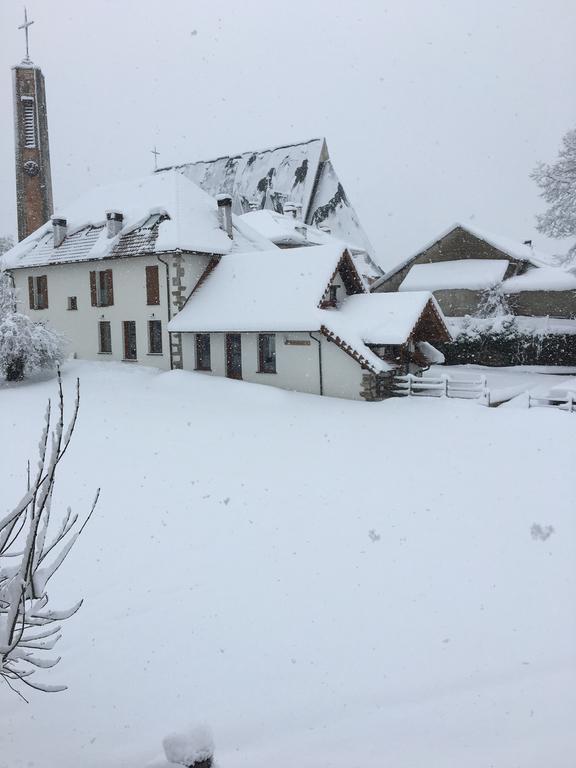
233,356
130,340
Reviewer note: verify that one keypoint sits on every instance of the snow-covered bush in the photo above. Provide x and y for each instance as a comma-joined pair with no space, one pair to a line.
31,552
193,747
25,346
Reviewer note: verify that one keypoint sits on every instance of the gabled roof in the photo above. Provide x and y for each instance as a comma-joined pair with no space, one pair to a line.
278,290
384,318
282,291
300,173
511,248
258,178
162,212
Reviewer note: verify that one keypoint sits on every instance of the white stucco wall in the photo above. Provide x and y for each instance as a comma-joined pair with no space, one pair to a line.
297,367
129,281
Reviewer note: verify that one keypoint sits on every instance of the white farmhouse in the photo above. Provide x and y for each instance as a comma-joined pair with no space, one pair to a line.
112,268
302,319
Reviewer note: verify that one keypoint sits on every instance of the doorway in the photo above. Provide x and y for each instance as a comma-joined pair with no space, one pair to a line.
233,356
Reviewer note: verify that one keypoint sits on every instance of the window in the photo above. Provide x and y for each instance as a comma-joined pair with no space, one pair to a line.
29,122
333,300
104,338
154,337
101,288
38,292
72,302
203,352
129,340
152,286
266,353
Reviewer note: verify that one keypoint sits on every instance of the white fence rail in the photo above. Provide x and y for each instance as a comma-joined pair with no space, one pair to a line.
442,386
567,403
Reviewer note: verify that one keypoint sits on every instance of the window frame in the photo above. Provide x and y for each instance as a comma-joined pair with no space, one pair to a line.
207,351
101,325
102,286
38,291
72,303
152,351
267,364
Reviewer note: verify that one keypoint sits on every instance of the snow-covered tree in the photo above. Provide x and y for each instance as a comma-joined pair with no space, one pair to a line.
557,183
493,303
25,346
6,242
31,551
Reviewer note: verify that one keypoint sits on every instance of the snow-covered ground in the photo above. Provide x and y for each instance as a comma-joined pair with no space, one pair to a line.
328,584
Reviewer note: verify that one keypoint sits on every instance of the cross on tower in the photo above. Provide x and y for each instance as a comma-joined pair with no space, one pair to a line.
25,28
155,153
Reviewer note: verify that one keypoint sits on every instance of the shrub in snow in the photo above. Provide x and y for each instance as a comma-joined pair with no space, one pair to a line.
31,551
194,747
25,346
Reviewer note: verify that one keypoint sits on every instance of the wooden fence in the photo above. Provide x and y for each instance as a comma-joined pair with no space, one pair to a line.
567,403
442,386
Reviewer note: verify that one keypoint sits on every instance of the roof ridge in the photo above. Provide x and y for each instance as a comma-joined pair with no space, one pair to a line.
234,156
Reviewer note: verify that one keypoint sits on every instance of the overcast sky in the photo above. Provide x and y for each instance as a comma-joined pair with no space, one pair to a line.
434,112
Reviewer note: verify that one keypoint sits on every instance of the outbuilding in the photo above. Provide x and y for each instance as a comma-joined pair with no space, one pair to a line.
302,319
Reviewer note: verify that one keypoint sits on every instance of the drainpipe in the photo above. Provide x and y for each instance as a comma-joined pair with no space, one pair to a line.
319,361
168,307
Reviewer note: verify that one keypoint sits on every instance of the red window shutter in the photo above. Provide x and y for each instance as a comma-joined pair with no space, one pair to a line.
93,296
152,285
31,292
109,287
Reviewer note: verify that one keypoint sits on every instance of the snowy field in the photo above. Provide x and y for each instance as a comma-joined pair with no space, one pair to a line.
328,584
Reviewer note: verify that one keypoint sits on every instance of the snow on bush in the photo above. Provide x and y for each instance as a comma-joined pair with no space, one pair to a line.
194,745
25,346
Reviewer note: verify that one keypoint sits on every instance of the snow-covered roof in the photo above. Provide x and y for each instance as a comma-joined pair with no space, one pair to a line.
286,231
277,290
286,172
281,291
473,274
383,318
300,173
512,248
542,279
188,221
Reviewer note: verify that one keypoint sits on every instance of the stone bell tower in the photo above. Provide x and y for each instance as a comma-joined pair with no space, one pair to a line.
33,178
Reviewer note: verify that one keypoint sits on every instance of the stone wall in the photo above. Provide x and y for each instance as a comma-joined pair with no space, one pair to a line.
543,303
